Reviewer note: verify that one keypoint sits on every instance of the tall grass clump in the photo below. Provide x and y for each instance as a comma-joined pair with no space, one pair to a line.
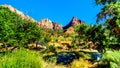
81,63
111,59
21,59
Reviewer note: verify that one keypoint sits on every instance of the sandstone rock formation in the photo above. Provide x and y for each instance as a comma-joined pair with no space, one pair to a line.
46,23
57,26
74,22
70,30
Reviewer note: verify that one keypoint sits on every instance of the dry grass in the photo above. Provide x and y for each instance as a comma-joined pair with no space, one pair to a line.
81,63
53,65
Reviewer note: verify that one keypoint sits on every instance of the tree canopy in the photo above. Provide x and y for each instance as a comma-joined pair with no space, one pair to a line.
103,2
15,30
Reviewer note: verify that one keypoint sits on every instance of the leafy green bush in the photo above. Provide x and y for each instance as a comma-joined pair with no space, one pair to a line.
21,59
111,59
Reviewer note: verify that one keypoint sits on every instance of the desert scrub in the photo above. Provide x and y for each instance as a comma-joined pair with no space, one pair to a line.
21,59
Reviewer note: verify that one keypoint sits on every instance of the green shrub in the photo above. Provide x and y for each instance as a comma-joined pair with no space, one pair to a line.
111,59
47,39
21,59
50,48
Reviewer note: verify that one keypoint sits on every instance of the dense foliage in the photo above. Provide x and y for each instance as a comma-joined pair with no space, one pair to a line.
110,13
103,36
111,59
15,31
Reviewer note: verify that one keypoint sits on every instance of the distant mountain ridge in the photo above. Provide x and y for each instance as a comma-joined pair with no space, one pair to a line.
46,23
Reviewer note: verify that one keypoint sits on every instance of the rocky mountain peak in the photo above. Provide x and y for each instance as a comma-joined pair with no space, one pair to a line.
74,22
69,29
46,23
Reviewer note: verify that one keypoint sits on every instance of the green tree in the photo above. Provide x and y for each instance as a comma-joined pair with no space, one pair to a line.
110,13
15,31
8,21
98,34
103,2
28,32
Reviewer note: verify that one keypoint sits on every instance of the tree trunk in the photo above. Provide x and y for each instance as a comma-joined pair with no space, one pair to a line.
36,44
5,46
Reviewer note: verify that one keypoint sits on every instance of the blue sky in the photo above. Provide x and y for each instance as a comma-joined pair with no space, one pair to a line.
60,11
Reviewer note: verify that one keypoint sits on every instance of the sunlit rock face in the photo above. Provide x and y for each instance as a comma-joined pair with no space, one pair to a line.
69,30
45,23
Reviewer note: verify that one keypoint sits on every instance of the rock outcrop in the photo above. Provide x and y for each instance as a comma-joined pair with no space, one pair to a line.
57,26
74,22
46,23
69,29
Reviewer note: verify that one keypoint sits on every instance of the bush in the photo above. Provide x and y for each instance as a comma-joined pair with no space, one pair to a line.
50,48
47,39
21,59
111,59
